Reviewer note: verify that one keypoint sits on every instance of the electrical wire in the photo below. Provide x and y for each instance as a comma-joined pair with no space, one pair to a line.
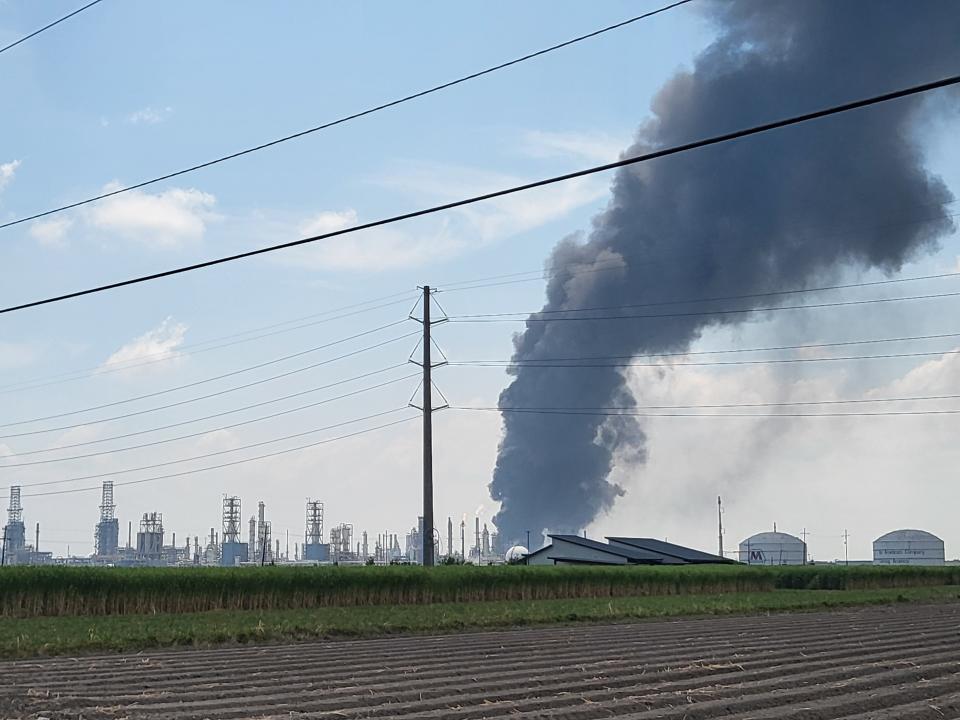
529,317
226,464
878,413
623,162
232,373
619,263
744,296
777,361
724,351
216,453
233,411
200,347
47,27
348,118
716,406
200,433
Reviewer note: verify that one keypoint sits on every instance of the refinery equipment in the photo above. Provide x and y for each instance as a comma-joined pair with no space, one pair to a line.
908,547
107,534
341,542
264,549
150,537
14,533
313,547
232,551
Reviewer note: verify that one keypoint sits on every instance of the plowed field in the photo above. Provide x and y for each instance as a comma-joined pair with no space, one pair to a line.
889,662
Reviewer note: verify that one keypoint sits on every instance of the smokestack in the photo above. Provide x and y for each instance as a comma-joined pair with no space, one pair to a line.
129,534
789,209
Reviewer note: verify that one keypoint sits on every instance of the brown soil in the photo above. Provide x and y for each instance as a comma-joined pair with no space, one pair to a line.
883,663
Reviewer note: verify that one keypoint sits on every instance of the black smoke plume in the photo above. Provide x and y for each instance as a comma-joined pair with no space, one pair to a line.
783,210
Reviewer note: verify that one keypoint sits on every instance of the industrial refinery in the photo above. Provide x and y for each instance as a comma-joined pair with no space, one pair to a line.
238,542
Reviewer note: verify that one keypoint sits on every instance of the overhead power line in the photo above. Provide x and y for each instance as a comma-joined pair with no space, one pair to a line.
713,406
623,162
232,463
878,413
348,118
530,317
191,421
202,347
218,393
215,453
777,361
722,351
207,431
47,27
615,264
719,298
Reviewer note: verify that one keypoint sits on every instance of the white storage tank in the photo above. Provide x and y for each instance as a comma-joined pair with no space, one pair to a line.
773,548
908,547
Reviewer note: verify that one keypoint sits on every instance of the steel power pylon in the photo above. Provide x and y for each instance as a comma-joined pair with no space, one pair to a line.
427,408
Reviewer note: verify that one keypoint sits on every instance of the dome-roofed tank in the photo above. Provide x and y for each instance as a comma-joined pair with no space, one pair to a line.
908,547
773,548
517,552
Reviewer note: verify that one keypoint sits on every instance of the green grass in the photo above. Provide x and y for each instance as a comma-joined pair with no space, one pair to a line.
77,591
24,637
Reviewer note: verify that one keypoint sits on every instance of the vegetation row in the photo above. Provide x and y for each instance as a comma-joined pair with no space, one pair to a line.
69,591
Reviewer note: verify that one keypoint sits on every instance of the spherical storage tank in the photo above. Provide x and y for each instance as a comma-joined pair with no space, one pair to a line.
908,547
773,548
517,552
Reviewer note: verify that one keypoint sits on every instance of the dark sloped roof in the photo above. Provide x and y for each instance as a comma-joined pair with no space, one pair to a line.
581,561
636,555
670,549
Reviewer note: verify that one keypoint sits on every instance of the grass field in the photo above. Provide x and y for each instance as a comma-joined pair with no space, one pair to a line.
71,591
24,637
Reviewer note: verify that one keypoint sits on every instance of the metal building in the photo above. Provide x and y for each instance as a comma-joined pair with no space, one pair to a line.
773,548
313,547
14,532
908,547
232,551
150,537
107,534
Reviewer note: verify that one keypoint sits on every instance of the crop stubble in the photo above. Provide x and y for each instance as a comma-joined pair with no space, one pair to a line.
888,662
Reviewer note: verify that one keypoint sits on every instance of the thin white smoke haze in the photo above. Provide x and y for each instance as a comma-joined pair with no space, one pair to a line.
755,215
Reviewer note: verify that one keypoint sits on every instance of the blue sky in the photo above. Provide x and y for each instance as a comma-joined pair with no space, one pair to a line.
126,91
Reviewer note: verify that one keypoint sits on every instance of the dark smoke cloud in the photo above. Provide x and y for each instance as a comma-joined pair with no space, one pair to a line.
787,209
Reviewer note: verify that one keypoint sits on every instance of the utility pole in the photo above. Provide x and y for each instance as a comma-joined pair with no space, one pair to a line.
803,534
528,540
427,408
427,538
463,541
720,524
3,551
846,552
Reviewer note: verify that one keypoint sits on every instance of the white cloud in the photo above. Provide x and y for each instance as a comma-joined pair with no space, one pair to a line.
447,235
50,232
595,147
7,171
162,340
16,355
327,222
869,474
166,219
149,115
371,250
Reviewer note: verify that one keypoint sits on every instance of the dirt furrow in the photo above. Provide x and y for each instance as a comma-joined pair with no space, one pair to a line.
607,675
868,663
779,625
270,666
